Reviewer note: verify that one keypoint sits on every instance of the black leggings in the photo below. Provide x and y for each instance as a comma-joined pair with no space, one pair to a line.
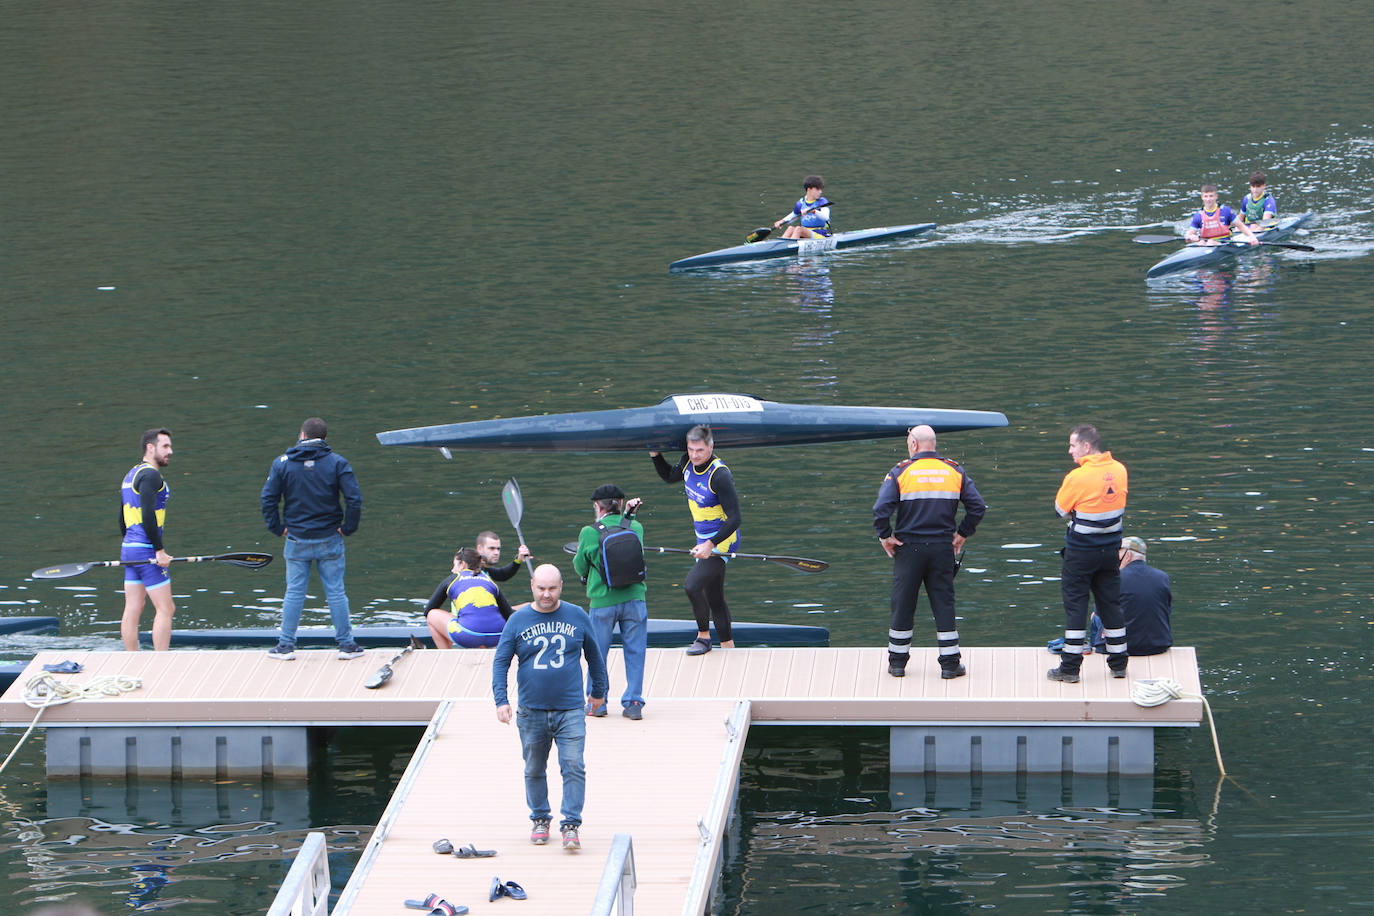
705,588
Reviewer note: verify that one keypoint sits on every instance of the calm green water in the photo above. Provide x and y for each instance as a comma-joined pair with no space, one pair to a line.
402,214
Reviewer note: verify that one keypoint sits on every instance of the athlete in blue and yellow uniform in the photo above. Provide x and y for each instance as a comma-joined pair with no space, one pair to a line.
716,517
812,209
476,612
925,492
1259,205
1214,224
143,499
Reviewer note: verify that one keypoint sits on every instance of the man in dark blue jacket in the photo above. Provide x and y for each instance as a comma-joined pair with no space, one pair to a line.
308,481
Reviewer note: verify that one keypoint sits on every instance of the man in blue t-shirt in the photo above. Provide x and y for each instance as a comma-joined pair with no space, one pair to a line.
547,636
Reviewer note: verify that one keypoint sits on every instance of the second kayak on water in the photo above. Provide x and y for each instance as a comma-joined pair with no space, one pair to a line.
1192,257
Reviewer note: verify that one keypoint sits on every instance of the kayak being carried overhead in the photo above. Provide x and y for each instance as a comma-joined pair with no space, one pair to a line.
781,248
1195,256
736,420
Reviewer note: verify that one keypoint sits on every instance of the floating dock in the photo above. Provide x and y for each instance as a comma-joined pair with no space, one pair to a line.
668,781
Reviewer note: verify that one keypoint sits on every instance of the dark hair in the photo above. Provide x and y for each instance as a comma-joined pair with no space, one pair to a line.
1257,178
486,536
150,436
1208,187
1088,435
469,557
314,428
813,181
700,434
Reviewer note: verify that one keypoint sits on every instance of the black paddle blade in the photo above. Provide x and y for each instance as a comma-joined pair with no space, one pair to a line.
381,677
803,564
65,571
570,547
246,560
759,234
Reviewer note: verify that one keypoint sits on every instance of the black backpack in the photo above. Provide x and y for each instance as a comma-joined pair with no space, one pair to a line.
620,555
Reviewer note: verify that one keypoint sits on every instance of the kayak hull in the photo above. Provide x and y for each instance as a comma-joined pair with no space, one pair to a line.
782,248
736,421
1194,257
662,634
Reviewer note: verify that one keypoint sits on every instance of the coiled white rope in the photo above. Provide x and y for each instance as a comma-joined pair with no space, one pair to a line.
1156,691
44,690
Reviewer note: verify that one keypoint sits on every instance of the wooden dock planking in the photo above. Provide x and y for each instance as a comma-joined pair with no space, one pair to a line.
801,684
643,778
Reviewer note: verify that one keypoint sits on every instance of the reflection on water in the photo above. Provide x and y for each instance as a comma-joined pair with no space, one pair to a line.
197,846
825,828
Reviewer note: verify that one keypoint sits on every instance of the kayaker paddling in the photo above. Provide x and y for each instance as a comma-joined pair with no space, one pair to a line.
1214,224
812,209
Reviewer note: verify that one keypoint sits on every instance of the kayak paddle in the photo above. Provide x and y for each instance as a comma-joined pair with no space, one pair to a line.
67,570
798,563
383,674
1162,239
761,233
515,509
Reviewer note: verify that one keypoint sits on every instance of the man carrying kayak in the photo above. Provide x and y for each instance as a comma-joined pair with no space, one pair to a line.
1258,206
812,209
715,515
1213,225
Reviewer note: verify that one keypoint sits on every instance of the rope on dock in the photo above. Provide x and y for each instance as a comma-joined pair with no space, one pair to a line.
1156,691
44,690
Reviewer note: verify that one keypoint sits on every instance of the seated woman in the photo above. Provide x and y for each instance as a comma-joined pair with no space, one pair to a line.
467,609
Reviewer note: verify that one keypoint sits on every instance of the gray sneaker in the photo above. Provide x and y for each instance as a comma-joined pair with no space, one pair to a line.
350,649
282,652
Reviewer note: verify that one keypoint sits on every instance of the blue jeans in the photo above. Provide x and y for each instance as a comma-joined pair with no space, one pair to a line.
633,617
328,556
567,728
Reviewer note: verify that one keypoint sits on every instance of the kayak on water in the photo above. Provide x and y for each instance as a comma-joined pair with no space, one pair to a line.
736,420
781,248
1192,257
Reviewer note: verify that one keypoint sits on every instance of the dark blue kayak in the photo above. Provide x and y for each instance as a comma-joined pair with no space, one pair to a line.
29,624
663,634
736,421
1194,256
782,248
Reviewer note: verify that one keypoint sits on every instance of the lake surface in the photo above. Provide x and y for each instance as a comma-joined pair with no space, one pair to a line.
222,219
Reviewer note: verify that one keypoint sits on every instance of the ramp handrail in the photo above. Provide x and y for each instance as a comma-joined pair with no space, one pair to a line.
305,892
712,826
617,879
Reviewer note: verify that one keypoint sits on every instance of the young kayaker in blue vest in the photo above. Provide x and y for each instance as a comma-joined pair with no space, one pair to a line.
812,209
1258,206
1212,224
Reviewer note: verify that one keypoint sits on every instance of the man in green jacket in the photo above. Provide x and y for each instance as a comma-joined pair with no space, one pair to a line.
623,605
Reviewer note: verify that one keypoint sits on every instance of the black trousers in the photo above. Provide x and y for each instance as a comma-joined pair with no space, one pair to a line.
928,564
1092,571
705,588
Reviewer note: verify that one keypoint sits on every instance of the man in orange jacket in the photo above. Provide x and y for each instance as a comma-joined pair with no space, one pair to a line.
1092,500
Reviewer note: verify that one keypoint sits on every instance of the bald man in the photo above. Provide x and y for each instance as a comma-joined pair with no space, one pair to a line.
548,635
925,492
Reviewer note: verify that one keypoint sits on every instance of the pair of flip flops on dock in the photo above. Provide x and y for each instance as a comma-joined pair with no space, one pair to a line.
437,906
444,847
509,889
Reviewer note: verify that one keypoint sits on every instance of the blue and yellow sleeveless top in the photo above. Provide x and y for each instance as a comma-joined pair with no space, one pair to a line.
707,512
134,535
472,600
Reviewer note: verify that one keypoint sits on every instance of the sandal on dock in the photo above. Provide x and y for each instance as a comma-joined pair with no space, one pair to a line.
471,852
437,906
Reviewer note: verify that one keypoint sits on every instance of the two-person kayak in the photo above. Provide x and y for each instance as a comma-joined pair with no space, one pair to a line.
781,248
1193,257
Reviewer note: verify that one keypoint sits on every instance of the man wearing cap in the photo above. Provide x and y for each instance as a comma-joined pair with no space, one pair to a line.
1146,603
609,606
1092,500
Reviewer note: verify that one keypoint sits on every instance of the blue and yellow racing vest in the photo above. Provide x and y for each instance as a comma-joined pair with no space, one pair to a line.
134,535
707,513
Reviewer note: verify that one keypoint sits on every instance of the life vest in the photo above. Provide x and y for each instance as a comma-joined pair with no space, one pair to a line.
707,512
134,535
472,599
818,218
1254,210
1213,226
